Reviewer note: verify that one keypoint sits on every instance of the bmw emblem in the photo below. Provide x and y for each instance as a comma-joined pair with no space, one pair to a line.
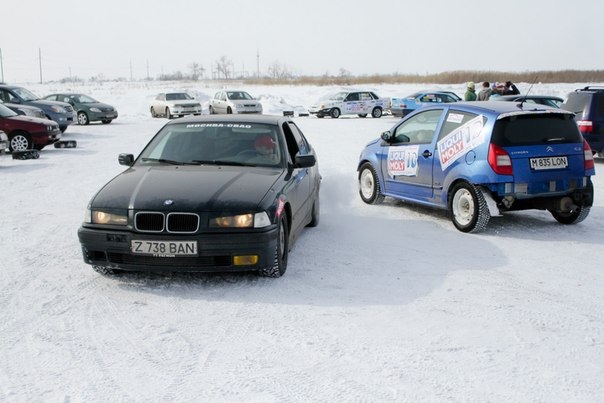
168,202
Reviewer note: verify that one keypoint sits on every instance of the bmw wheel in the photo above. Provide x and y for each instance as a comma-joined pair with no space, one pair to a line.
279,265
369,185
82,118
468,208
335,113
20,142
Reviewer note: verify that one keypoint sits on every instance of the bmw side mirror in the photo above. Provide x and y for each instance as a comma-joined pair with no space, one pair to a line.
305,161
126,159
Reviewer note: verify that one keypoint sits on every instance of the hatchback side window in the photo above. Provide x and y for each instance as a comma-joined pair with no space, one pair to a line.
418,129
455,119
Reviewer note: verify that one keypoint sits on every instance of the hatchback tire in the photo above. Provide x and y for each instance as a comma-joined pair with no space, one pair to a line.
370,188
468,208
573,217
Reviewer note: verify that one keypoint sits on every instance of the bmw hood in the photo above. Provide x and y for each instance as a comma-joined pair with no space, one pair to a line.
188,188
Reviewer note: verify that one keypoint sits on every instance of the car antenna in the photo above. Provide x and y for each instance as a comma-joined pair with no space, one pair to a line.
526,95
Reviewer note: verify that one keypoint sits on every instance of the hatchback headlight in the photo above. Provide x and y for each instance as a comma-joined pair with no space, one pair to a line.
95,110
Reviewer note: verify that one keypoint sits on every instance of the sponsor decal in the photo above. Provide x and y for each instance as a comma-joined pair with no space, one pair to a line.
235,125
460,141
402,161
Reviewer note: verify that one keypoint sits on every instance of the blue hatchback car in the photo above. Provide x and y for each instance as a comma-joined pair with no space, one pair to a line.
479,159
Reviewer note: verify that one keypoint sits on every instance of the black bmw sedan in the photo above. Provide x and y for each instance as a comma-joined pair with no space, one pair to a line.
207,193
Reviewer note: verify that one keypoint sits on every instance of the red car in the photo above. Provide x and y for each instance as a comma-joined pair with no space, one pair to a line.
26,132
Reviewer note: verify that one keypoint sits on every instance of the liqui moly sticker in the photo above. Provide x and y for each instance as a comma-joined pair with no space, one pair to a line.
460,141
402,161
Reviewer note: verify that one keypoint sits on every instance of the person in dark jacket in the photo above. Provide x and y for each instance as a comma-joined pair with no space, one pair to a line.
510,89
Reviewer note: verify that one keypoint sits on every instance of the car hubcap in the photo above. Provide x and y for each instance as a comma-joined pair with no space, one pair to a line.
19,143
463,207
367,184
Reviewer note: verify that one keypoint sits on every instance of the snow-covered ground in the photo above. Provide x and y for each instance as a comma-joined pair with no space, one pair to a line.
379,303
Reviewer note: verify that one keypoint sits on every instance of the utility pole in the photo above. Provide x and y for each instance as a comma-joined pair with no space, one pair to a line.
1,68
257,63
130,70
40,60
147,69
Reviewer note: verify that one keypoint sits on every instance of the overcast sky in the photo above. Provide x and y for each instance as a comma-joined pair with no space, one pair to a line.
139,39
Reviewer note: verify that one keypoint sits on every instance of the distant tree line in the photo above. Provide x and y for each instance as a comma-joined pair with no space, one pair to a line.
278,73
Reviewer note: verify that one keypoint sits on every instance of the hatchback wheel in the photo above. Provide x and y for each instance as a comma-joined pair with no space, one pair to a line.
468,208
20,142
82,118
369,185
572,217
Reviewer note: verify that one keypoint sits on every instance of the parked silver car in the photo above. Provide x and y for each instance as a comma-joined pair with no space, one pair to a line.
234,102
3,142
174,104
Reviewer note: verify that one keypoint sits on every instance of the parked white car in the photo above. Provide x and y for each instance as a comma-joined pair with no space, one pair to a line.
174,104
360,103
227,102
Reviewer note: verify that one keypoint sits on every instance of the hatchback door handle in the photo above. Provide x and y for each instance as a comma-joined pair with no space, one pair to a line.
426,154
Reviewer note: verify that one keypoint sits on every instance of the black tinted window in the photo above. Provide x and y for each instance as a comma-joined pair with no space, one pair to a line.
536,129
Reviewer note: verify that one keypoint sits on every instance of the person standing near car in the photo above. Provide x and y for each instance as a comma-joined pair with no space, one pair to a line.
510,89
470,94
485,92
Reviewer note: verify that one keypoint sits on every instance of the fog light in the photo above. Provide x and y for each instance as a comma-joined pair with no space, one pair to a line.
245,260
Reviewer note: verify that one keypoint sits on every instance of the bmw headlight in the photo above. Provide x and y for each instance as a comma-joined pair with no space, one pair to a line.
107,218
258,220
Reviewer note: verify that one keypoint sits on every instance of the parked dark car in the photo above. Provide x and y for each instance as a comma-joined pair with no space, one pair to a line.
588,105
60,112
548,100
26,132
25,110
87,108
482,159
208,193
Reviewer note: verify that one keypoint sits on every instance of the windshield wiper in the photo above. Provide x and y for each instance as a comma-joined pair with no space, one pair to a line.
218,162
164,161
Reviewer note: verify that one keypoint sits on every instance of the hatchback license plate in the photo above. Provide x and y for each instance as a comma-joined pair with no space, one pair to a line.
164,248
549,163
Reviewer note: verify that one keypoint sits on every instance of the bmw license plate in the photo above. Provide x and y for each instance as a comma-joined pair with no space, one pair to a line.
164,248
549,163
